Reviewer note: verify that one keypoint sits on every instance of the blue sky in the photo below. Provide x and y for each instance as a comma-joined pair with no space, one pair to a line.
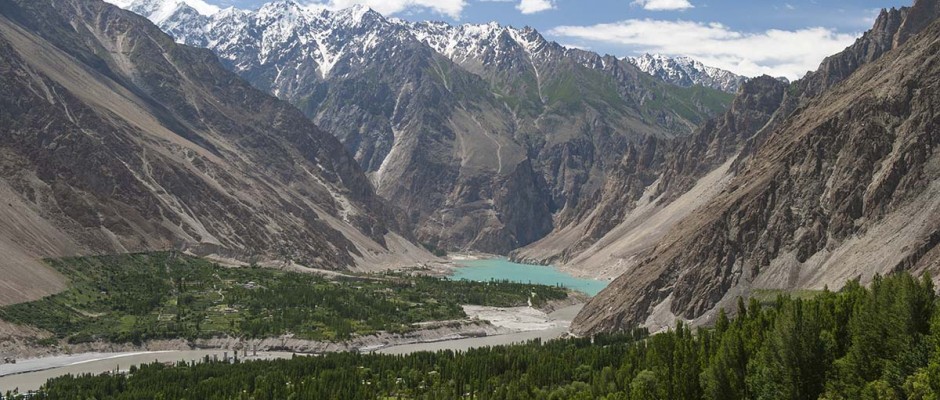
780,38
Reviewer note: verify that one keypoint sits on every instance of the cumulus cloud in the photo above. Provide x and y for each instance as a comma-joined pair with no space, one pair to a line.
534,6
773,52
452,8
663,5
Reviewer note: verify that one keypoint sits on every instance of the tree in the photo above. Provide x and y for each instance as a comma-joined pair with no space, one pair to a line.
725,377
792,362
644,386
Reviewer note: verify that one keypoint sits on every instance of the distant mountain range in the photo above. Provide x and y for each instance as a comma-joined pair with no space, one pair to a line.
686,72
460,43
487,135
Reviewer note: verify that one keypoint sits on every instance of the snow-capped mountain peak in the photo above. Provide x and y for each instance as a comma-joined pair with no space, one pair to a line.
286,34
528,38
455,42
282,9
434,111
356,13
294,37
685,71
473,43
159,11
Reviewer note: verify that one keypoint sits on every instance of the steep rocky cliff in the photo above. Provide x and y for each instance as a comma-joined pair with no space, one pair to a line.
841,182
656,184
488,135
116,139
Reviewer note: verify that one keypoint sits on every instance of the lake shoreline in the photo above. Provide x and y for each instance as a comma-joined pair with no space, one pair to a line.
485,269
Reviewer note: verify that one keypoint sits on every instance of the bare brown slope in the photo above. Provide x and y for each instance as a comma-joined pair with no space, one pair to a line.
847,186
657,183
114,139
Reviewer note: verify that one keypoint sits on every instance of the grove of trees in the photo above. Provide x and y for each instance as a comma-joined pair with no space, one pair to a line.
880,342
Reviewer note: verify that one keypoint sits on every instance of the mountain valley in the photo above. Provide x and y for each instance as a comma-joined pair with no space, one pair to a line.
458,210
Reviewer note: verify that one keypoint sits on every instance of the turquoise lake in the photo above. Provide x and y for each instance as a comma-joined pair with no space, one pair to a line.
503,269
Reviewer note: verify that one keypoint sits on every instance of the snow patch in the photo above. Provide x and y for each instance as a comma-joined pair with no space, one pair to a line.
685,71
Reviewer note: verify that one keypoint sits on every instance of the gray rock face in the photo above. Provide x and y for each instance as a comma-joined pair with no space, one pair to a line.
717,140
487,135
687,72
116,139
841,182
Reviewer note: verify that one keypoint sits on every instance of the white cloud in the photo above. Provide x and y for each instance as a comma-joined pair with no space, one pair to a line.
452,8
773,52
202,7
534,6
663,5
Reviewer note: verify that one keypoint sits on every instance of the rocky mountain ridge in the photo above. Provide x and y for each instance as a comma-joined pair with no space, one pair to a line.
686,72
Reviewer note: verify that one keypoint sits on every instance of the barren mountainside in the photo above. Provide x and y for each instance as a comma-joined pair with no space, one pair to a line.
841,182
660,182
116,139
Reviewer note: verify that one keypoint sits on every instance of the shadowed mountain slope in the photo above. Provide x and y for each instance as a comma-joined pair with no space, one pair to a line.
116,139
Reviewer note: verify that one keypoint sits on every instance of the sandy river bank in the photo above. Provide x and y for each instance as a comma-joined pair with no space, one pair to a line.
506,326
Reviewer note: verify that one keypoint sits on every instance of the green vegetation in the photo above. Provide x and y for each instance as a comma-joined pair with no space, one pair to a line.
690,102
569,88
878,343
766,296
794,90
133,298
